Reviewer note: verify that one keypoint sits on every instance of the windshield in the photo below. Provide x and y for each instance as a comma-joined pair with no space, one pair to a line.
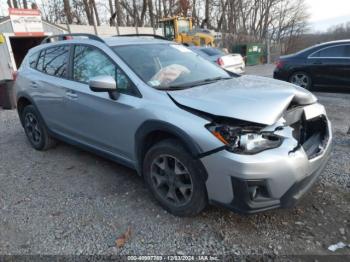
169,66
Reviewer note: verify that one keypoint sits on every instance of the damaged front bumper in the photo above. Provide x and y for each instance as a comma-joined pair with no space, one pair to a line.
277,177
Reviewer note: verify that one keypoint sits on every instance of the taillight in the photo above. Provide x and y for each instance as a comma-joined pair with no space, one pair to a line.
280,64
14,75
220,62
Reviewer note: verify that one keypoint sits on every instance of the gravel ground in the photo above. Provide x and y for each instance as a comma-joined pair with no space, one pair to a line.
68,201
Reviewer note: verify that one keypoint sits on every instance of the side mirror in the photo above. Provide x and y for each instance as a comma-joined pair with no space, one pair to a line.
104,84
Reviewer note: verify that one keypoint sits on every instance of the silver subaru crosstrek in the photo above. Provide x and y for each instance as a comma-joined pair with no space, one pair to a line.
196,133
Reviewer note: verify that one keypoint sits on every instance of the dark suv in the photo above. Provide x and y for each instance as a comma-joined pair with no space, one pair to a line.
326,64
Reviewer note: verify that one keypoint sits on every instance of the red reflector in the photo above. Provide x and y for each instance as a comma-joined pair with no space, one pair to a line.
220,62
68,37
279,64
14,75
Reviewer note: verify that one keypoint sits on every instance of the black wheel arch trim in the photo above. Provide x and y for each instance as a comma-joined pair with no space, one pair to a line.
21,95
150,126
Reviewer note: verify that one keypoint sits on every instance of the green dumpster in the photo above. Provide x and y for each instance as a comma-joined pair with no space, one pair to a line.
254,53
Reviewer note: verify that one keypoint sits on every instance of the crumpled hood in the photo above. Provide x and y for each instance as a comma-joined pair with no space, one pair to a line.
251,98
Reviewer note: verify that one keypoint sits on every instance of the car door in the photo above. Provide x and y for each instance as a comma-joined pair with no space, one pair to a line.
47,83
329,66
93,118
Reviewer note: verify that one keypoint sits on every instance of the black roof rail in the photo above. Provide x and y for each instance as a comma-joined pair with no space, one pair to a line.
149,35
61,37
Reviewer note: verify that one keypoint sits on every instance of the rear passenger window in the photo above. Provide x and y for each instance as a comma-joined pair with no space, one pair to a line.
331,52
90,62
40,63
53,61
33,59
347,51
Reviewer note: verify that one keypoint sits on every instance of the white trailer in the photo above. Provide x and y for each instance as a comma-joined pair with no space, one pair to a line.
13,51
16,46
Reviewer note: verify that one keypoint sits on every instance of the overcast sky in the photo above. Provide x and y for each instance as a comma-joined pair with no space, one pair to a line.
326,13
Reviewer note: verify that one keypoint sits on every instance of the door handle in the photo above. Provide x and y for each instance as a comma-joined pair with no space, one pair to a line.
317,63
71,94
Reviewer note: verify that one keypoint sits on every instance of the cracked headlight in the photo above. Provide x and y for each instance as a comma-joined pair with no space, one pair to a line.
244,140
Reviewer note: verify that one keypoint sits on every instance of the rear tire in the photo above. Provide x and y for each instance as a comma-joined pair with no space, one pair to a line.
301,79
175,178
36,130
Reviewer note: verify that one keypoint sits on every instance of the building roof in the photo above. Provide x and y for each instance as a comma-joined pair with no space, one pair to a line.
6,19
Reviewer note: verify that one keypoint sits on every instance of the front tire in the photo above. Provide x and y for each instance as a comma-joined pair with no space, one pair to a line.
175,178
301,79
36,130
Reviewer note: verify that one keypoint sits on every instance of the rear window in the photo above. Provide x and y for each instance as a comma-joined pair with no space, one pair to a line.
53,61
212,51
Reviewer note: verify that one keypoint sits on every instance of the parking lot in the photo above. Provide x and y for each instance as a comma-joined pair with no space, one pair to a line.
68,201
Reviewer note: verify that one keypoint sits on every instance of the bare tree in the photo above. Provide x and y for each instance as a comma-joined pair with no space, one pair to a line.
151,14
94,11
15,3
67,11
279,22
207,12
113,14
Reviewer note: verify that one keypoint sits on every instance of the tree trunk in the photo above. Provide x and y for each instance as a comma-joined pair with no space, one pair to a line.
207,13
25,4
9,3
165,13
88,12
113,15
93,4
67,11
151,14
159,9
194,13
135,15
119,12
143,12
15,3
223,13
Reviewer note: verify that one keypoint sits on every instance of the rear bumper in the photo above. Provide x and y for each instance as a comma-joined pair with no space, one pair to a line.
281,74
275,178
238,69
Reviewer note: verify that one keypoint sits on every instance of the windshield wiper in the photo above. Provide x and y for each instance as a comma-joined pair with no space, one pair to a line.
196,83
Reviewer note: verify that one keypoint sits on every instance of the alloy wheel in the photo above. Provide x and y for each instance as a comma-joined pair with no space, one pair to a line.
300,79
171,180
31,126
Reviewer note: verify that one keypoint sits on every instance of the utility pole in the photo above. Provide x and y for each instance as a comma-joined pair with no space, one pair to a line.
268,51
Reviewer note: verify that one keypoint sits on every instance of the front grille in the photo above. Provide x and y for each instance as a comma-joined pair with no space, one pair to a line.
312,135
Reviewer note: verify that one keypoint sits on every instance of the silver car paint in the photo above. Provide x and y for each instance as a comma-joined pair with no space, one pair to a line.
74,111
250,98
278,166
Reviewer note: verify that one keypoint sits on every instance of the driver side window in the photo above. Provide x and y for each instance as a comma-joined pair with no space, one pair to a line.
89,62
